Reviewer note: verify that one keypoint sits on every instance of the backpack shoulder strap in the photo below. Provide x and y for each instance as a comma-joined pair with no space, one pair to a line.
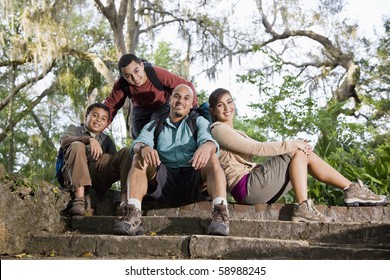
191,121
124,86
158,124
152,76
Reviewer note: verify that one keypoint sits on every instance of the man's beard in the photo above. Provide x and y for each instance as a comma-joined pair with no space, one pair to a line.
178,114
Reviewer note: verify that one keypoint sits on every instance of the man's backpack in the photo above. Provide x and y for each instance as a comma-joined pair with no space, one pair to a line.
203,110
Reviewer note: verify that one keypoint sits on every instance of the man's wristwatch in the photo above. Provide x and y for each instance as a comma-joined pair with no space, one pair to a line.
143,145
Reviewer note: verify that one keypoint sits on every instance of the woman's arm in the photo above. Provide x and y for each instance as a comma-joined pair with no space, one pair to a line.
231,139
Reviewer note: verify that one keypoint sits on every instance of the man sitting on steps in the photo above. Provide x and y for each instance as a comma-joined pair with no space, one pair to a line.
177,169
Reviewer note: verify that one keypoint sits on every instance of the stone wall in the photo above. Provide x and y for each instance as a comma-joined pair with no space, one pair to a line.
27,208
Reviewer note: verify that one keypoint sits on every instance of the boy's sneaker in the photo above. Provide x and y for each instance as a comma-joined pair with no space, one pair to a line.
78,207
306,212
359,194
219,221
131,223
65,212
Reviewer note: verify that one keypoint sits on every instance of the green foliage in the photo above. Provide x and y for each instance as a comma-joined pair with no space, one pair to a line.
77,79
164,56
251,130
202,97
167,57
357,150
37,36
285,109
371,166
354,162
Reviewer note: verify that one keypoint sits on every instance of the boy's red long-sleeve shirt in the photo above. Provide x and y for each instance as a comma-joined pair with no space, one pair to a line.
147,96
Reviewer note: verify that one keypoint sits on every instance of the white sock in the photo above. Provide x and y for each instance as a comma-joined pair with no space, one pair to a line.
135,202
218,200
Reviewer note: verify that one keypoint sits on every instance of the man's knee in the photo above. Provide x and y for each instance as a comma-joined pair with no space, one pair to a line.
138,161
139,167
213,167
214,162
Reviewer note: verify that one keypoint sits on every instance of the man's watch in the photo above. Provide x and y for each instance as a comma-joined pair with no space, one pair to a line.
143,145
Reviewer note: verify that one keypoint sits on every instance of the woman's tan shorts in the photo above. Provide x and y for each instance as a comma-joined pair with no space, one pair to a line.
270,181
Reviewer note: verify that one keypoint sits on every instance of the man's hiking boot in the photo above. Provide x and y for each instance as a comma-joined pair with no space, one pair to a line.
78,207
219,221
357,194
130,223
306,212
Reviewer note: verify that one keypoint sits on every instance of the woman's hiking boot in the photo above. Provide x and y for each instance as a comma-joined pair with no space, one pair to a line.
358,194
306,212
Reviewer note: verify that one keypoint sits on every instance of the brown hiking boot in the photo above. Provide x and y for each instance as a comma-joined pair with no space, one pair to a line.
78,207
359,194
131,223
219,221
306,212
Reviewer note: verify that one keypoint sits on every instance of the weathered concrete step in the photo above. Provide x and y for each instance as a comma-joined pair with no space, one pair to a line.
347,233
275,211
281,212
193,247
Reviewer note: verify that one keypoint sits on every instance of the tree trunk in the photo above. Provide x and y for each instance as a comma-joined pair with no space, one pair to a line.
44,133
116,21
132,28
23,114
11,150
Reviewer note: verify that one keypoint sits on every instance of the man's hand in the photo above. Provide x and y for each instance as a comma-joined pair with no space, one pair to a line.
96,149
150,156
202,155
102,162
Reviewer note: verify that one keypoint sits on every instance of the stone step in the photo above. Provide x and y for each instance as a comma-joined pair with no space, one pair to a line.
281,212
374,233
96,246
256,232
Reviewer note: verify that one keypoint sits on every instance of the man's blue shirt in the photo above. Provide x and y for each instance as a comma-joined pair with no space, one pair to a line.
176,145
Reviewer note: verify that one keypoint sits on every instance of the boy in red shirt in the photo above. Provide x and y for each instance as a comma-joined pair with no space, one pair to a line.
149,97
